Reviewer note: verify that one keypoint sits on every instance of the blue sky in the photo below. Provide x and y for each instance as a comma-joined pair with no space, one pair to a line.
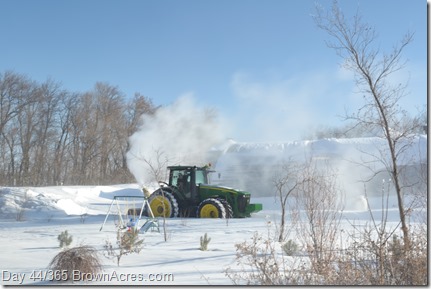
263,64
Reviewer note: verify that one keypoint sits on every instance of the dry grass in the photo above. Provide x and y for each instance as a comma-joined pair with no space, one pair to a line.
260,262
83,260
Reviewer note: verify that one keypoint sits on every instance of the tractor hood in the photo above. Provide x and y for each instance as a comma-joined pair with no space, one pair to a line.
225,188
239,200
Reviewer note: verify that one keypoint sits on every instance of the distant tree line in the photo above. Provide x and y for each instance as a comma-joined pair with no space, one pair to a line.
51,136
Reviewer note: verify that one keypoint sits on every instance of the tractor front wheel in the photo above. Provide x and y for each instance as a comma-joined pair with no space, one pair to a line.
211,208
163,204
227,208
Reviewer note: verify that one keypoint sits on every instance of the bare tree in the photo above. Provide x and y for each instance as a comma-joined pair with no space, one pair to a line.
49,94
62,161
84,135
111,108
16,100
28,122
155,171
135,108
12,96
356,43
285,182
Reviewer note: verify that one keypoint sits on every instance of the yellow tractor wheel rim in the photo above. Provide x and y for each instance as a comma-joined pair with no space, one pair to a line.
161,207
209,211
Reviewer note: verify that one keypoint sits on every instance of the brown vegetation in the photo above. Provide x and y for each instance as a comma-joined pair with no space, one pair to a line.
50,136
75,264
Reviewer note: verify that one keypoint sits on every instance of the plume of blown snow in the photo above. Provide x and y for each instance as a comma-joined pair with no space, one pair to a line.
181,133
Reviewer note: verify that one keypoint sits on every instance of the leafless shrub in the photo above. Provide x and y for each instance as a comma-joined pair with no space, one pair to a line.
259,264
317,212
377,255
127,243
82,259
261,261
368,261
364,262
368,254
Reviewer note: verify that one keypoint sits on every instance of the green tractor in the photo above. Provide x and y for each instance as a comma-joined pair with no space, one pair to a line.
188,194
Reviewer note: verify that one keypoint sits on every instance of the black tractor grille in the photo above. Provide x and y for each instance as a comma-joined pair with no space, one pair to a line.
243,201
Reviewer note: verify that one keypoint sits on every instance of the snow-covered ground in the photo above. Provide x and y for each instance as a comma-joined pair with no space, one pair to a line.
28,245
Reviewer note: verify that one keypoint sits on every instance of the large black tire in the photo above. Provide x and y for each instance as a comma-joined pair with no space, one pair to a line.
211,208
163,204
227,208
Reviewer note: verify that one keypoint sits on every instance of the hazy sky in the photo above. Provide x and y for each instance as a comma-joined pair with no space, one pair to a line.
263,64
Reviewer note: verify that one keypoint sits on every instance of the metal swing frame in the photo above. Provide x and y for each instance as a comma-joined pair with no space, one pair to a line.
151,222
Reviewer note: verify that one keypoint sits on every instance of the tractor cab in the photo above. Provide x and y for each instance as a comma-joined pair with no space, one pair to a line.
187,180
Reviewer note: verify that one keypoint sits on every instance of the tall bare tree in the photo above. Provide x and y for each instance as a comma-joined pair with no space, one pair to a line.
16,96
49,95
356,43
12,96
61,144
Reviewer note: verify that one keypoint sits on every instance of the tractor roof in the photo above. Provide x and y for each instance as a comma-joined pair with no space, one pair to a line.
206,168
184,167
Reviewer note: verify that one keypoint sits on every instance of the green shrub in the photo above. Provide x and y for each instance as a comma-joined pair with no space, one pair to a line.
290,247
204,242
64,239
127,243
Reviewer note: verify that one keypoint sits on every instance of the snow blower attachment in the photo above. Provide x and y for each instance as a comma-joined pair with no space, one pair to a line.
132,217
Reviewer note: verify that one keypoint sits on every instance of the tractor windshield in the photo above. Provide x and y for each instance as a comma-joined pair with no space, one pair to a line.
180,177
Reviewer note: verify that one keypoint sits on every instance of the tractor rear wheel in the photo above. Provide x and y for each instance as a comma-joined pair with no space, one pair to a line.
211,208
163,204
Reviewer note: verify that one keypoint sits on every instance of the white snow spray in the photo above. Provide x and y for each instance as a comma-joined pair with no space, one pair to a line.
356,163
182,133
